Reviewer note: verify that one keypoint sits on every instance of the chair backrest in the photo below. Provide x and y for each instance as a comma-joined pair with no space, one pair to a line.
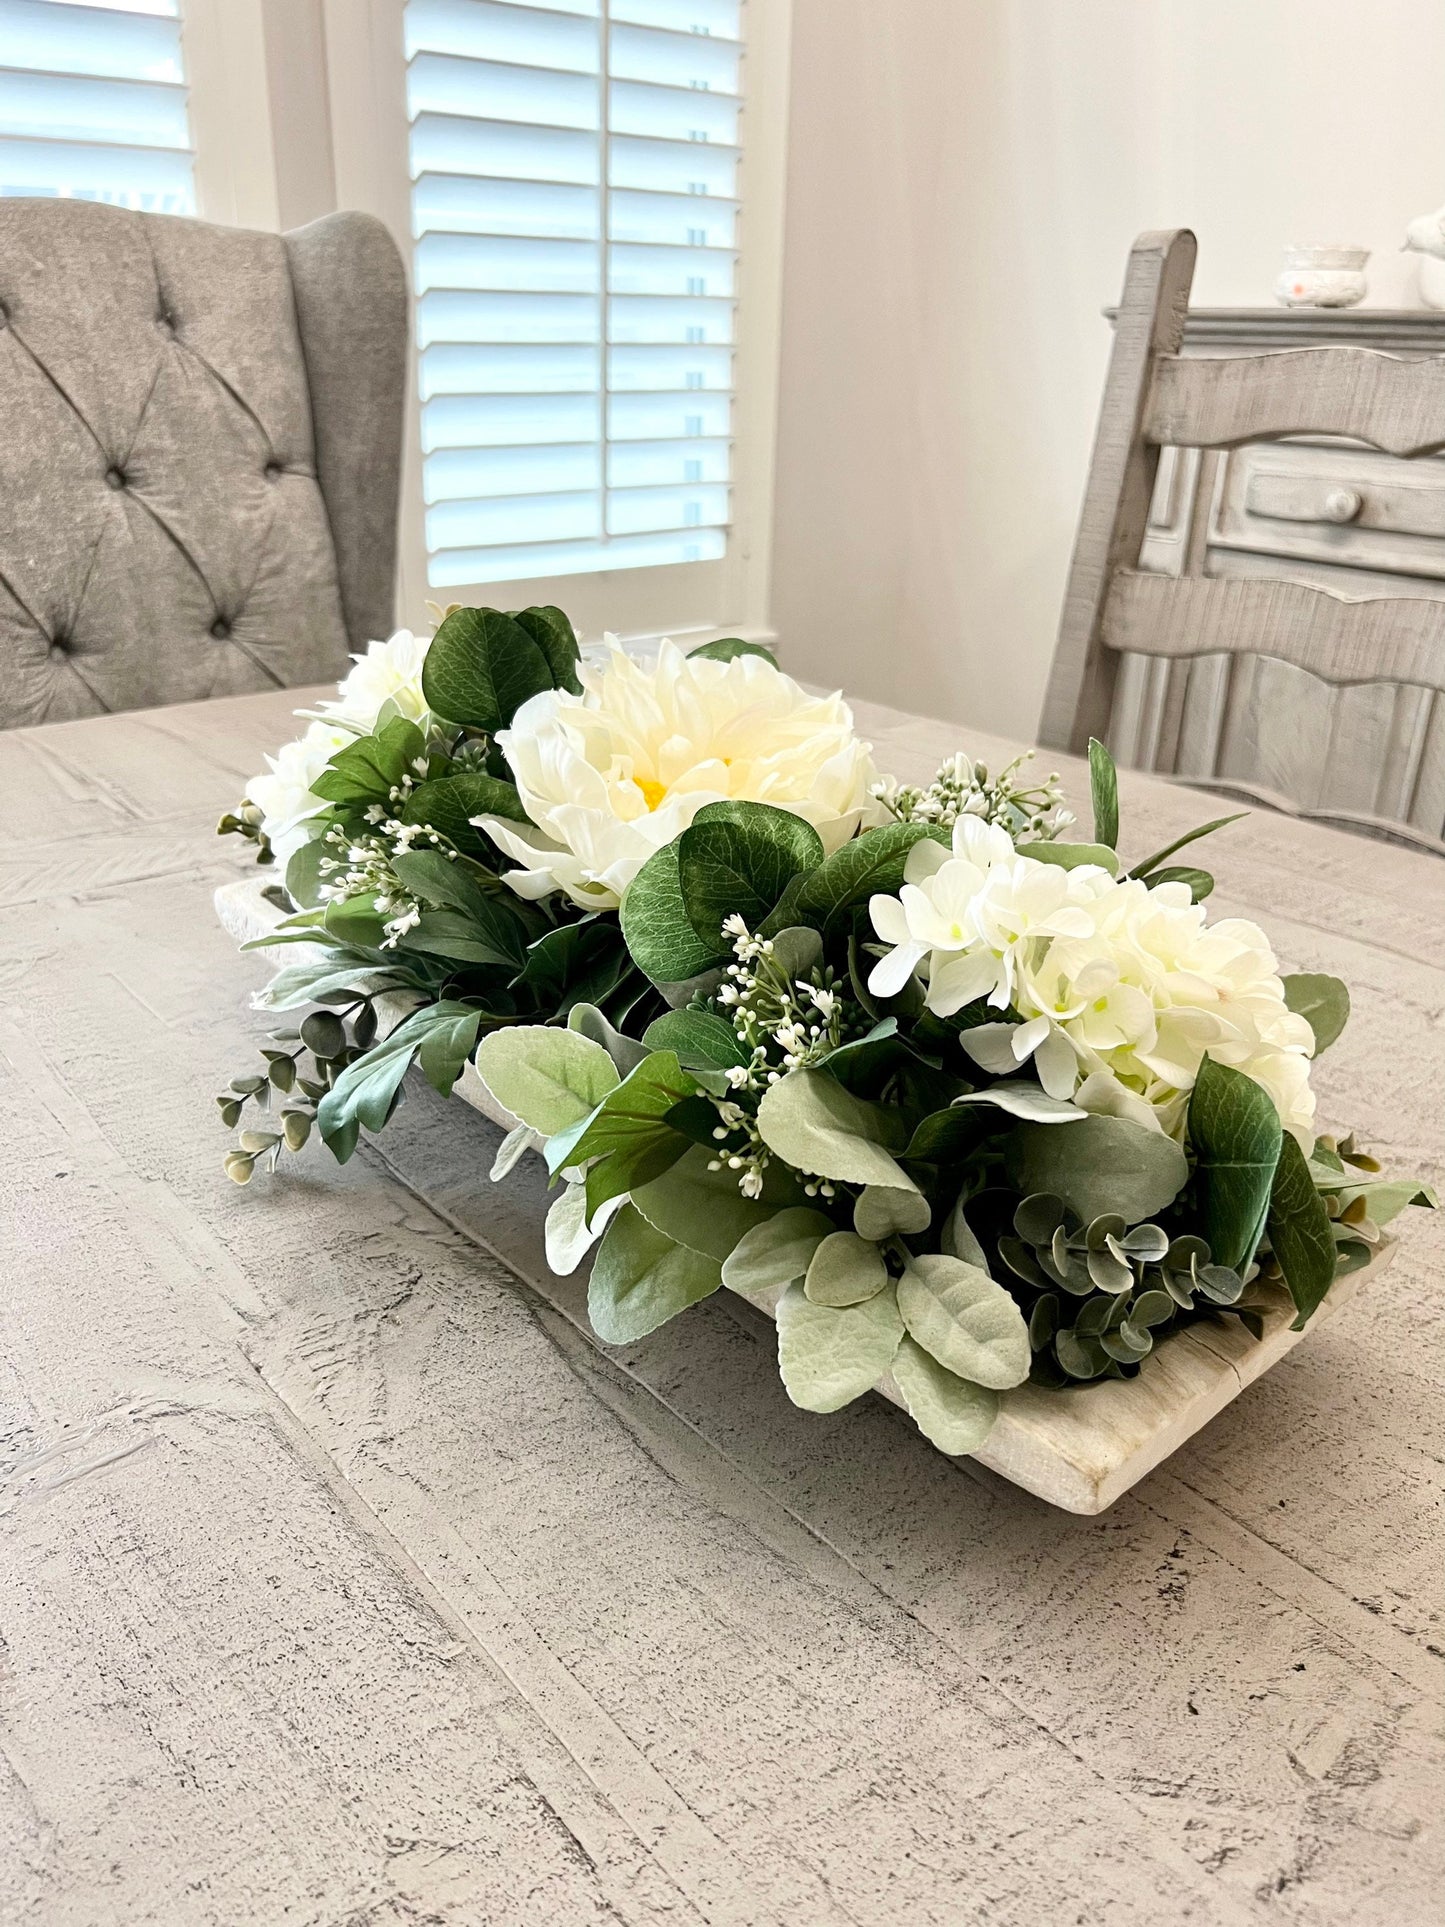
1116,612
200,454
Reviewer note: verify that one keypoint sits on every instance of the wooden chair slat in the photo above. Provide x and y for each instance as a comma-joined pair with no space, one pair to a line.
1221,402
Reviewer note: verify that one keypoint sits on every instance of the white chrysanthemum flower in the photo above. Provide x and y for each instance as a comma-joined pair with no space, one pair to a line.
284,796
611,775
1122,989
389,673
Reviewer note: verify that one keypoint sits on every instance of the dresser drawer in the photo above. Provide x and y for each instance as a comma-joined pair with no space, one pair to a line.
1328,502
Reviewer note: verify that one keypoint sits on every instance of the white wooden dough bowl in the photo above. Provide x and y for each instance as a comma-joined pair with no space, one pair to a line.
1078,1449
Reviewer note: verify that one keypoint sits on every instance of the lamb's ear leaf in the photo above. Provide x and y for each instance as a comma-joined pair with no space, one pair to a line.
969,1323
829,1355
845,1270
951,1413
776,1253
1236,1134
548,1078
1323,1001
481,667
640,1279
814,1125
1300,1234
552,631
1104,788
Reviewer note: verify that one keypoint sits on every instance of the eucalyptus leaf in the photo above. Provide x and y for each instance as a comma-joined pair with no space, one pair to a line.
845,1270
366,1090
700,1208
1235,1131
737,859
776,1253
870,865
1104,1164
729,648
965,1320
951,1413
1323,1002
659,934
551,629
640,1279
481,667
548,1078
813,1124
829,1355
447,805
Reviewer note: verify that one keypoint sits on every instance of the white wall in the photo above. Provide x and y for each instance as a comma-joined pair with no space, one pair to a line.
965,178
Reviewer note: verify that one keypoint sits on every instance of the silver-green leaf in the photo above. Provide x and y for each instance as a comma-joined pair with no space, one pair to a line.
949,1411
969,1323
829,1355
772,1255
640,1279
845,1270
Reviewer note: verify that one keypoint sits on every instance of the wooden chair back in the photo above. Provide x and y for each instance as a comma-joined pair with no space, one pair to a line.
1117,612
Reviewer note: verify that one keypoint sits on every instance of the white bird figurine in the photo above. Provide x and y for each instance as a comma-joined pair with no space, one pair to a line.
1425,236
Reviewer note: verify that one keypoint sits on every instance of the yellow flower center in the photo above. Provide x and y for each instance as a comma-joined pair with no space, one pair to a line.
652,791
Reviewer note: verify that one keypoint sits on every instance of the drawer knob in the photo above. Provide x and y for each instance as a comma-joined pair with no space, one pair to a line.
1343,504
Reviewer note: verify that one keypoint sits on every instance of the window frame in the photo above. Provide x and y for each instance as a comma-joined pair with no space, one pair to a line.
366,80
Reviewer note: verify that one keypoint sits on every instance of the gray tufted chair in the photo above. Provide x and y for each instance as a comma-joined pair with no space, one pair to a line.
200,454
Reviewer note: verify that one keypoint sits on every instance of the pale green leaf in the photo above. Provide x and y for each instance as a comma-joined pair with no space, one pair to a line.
813,1124
845,1270
1323,1002
776,1253
829,1355
1103,1164
548,1078
700,1208
949,1411
968,1322
640,1279
880,1211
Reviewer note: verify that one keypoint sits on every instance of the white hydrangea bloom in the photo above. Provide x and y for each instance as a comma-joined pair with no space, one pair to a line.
284,796
389,672
1122,989
611,775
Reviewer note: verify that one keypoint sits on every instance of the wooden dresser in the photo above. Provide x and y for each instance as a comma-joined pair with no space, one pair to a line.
1332,513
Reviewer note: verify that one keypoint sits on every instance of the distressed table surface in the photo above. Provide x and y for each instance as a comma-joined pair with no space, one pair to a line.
345,1579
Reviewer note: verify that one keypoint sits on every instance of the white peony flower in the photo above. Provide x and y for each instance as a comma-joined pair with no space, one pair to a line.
389,673
284,795
611,775
1122,989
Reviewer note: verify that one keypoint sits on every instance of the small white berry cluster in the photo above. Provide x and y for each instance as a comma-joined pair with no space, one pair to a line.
965,788
363,866
784,1023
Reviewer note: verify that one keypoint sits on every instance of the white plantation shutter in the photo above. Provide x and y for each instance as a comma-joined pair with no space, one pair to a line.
575,214
93,103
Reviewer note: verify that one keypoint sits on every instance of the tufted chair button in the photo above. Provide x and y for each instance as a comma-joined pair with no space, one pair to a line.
166,321
114,478
272,471
59,648
220,628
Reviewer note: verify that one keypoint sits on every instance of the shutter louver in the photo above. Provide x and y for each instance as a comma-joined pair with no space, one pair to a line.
93,103
574,204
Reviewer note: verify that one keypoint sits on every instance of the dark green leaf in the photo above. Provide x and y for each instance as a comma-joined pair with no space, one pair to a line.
739,858
303,872
1323,1002
367,770
554,635
356,921
366,1091
699,1038
462,939
1299,1231
577,963
1152,863
1235,1131
446,1046
1104,788
481,667
728,647
633,1111
871,865
640,1279
448,803
655,924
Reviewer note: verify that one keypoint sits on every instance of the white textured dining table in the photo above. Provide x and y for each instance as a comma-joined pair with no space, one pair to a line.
345,1578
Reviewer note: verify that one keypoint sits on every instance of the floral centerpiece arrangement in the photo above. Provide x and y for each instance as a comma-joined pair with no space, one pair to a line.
965,1099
